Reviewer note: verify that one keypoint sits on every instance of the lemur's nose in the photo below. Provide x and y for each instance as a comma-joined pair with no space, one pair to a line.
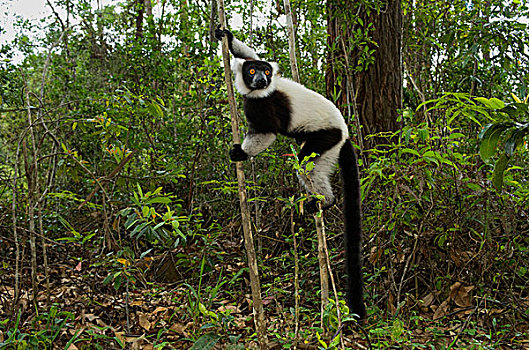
261,83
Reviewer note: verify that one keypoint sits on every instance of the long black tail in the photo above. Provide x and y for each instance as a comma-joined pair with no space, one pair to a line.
353,229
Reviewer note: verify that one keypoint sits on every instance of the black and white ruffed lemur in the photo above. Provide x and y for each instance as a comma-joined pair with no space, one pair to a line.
276,105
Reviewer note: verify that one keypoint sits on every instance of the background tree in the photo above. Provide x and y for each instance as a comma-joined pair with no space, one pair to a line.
364,62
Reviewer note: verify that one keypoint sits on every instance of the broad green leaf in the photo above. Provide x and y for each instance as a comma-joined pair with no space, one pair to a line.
407,135
499,169
473,186
431,156
496,103
489,137
145,211
456,135
484,100
516,140
423,134
409,150
516,110
206,342
164,200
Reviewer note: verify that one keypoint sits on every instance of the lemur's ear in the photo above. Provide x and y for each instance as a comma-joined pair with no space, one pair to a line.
275,68
236,64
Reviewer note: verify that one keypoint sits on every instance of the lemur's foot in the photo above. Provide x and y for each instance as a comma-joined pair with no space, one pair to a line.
312,206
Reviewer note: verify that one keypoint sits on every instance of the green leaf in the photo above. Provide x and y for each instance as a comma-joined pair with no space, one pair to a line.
206,342
456,135
409,150
492,103
139,190
431,156
107,279
514,110
164,200
158,225
499,169
145,211
496,103
516,140
489,137
423,134
473,186
484,100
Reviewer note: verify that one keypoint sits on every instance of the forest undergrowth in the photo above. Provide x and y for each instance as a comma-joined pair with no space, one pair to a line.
120,226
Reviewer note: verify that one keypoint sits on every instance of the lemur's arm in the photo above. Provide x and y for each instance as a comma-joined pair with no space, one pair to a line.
254,143
237,47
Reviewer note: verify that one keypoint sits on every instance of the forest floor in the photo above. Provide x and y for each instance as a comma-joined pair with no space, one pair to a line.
98,303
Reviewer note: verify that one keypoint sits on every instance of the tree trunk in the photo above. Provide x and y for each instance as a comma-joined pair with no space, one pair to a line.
140,8
375,90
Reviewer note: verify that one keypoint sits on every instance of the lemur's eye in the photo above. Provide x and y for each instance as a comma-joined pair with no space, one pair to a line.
252,71
267,72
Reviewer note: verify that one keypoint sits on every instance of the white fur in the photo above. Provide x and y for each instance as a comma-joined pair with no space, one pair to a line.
242,50
256,143
310,111
317,181
240,85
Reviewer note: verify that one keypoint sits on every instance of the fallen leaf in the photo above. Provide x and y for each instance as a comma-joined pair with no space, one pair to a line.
136,343
144,321
79,266
461,294
441,310
159,309
232,308
179,328
267,300
90,317
427,300
120,336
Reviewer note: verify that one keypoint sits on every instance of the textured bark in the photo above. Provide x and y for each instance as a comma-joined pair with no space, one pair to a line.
140,7
375,93
291,41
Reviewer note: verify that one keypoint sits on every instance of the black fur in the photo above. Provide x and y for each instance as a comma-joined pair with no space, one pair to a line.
353,229
220,33
237,154
269,114
259,67
317,141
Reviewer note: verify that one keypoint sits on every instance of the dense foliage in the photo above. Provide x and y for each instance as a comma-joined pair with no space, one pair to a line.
114,174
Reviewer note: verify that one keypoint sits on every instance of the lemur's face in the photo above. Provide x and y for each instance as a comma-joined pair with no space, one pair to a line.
257,74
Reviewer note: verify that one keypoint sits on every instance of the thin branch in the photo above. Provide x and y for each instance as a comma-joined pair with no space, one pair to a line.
258,310
107,178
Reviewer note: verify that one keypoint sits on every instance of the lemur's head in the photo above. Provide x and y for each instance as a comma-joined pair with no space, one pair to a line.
257,74
254,78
